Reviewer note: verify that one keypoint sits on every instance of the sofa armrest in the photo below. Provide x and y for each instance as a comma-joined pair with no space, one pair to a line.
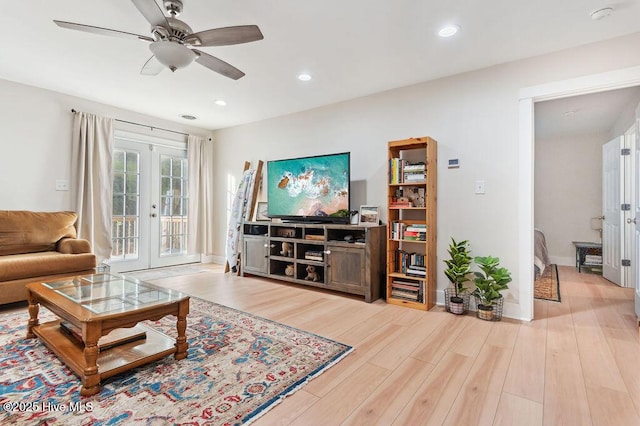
73,246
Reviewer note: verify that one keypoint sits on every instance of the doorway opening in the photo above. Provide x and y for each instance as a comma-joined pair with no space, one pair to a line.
528,96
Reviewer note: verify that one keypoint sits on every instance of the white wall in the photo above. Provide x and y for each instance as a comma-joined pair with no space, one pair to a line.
35,142
568,192
473,116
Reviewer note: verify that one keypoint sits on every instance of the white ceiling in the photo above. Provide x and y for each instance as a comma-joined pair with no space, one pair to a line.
351,48
594,113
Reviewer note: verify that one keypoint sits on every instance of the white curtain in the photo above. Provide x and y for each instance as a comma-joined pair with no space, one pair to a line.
200,226
91,156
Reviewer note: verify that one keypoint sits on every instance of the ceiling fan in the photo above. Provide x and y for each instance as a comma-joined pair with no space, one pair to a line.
173,42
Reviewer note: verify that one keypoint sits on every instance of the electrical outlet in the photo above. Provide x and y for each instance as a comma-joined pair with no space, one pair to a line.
62,185
479,187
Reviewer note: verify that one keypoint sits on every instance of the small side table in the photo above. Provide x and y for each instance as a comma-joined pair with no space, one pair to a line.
582,250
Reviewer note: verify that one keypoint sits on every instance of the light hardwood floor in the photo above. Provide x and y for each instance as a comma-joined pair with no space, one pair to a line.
577,363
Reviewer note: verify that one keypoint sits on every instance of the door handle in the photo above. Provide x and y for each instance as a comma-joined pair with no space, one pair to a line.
154,215
629,220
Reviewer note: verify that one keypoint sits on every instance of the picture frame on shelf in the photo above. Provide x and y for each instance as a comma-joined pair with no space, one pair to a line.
262,210
369,215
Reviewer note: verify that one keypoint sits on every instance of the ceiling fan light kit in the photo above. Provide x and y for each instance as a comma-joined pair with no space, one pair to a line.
173,41
172,55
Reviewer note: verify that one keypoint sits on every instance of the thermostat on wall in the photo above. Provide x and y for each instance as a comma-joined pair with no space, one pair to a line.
454,163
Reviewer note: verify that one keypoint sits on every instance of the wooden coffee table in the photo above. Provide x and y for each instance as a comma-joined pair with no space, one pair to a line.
96,305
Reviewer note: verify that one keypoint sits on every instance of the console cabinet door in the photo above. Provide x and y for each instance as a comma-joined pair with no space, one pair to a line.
255,255
346,268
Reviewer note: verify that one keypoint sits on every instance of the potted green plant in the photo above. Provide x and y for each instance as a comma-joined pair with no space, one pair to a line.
458,270
489,283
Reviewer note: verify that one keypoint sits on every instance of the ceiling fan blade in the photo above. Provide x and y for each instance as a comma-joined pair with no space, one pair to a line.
152,67
218,65
152,12
101,31
225,36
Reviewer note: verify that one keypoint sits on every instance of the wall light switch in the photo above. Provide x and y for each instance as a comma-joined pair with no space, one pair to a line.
62,185
479,187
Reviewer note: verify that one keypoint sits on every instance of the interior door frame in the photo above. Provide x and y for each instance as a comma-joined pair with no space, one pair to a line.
618,79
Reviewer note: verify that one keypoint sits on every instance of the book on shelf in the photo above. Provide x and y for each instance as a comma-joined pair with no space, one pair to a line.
314,237
408,287
414,177
416,273
314,255
415,167
406,262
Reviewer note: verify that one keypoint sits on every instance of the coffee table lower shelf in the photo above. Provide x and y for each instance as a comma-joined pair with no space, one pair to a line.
112,361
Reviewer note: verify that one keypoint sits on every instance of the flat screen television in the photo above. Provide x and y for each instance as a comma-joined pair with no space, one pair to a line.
310,189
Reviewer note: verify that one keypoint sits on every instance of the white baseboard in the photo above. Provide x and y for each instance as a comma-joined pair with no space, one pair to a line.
509,309
563,261
212,258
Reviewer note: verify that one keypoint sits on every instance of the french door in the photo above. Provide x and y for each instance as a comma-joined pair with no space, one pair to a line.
150,199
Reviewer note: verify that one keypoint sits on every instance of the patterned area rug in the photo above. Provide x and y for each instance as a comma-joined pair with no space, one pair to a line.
547,286
238,367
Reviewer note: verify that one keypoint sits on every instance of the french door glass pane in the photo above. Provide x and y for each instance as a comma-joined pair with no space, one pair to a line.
125,232
173,201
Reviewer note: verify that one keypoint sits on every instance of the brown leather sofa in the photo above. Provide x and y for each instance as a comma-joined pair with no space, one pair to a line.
39,246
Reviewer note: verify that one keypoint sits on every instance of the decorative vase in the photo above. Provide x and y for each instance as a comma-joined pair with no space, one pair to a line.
456,305
460,306
492,312
485,312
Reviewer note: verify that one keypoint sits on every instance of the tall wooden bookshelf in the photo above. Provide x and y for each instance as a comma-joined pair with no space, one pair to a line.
411,239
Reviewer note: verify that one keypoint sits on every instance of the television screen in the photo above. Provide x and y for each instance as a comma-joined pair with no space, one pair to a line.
309,188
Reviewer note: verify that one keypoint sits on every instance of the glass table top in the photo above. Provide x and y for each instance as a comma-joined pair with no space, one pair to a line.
102,293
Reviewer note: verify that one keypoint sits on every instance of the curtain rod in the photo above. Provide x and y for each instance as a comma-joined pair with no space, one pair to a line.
145,125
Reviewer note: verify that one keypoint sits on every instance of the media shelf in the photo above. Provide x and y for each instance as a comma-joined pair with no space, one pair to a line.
344,258
411,212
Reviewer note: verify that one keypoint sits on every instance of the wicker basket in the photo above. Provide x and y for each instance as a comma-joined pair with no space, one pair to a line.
494,314
458,309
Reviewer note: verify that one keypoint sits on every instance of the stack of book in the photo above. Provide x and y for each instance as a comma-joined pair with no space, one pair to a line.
407,290
415,172
401,171
400,202
314,255
417,271
415,232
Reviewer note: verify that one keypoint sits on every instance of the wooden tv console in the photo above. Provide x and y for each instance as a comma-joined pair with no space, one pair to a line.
346,258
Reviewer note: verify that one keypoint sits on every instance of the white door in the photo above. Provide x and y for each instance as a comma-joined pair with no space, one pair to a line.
611,225
149,223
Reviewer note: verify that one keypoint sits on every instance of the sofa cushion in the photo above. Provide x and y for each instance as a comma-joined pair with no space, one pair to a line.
18,266
28,232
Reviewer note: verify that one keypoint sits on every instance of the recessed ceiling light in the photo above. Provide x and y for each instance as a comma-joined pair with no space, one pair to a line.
220,102
188,117
448,31
304,76
599,14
